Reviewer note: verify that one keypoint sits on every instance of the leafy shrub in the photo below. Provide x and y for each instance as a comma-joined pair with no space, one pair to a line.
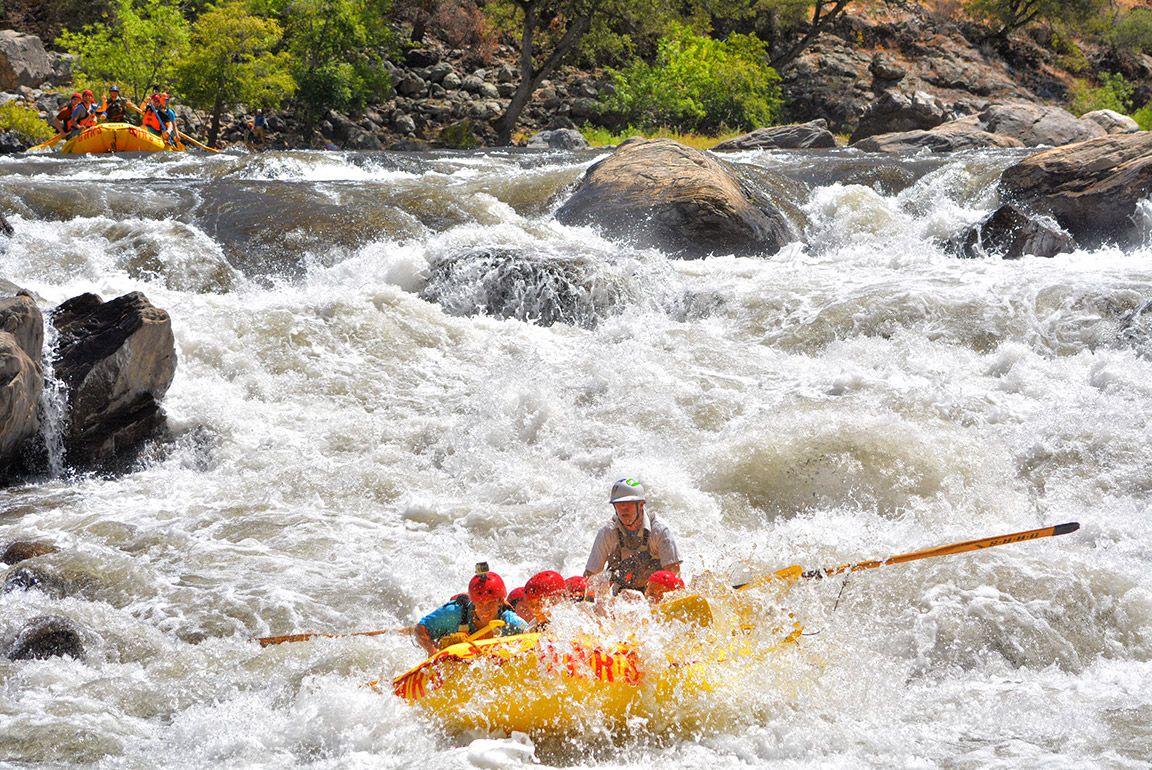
698,84
1143,118
1133,31
458,136
25,123
1113,93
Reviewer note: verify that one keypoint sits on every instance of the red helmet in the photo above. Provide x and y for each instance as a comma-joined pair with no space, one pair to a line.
547,583
88,93
76,96
578,590
515,595
670,581
485,588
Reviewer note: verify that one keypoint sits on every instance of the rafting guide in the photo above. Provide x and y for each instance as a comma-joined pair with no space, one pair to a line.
633,545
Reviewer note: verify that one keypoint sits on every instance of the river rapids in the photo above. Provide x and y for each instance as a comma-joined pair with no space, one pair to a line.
393,366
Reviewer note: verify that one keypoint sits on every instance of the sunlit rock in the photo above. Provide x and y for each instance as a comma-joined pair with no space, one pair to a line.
21,378
798,136
23,61
895,111
1037,124
688,202
1092,188
947,137
116,360
48,636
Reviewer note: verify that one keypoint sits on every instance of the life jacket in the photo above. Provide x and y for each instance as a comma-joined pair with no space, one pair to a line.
151,120
632,561
114,111
84,119
65,119
466,627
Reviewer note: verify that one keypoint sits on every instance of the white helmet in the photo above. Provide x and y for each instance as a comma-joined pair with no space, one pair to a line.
627,491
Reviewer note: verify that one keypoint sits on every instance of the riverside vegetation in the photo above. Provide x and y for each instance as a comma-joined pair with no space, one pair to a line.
364,74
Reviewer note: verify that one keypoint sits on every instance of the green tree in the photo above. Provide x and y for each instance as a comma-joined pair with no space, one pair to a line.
230,63
135,47
337,49
1007,16
699,84
1133,31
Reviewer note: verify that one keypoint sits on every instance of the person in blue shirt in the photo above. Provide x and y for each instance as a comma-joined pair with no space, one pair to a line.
468,613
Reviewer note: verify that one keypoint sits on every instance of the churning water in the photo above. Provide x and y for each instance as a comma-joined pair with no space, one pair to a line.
394,366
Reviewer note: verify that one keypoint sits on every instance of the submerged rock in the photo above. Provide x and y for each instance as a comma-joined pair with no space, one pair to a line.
48,636
798,136
1010,233
506,283
1092,188
22,550
678,199
117,360
29,578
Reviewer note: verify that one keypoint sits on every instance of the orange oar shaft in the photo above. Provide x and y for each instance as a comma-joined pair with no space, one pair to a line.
270,640
944,550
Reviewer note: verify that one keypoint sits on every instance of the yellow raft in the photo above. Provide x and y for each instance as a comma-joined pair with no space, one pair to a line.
538,683
114,137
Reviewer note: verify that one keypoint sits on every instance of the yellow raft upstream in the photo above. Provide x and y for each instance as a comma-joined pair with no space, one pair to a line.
114,137
536,682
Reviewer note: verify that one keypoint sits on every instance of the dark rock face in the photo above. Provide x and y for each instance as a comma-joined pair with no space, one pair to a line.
1091,188
1010,233
116,360
504,283
47,636
22,550
21,377
894,112
29,578
685,201
1035,124
5,228
798,136
23,61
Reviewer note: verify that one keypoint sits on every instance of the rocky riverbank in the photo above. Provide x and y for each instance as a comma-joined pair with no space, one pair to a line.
881,70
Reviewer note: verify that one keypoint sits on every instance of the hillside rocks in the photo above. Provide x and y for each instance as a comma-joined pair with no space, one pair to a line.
1092,188
21,377
895,111
798,136
116,360
685,201
23,61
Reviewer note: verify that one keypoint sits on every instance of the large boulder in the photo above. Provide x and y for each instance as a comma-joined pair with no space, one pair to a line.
1011,233
47,636
116,360
21,377
678,199
897,112
1112,122
559,139
23,61
1036,124
22,550
1092,188
798,136
947,137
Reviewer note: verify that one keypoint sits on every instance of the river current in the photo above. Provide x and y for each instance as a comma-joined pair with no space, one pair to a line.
394,366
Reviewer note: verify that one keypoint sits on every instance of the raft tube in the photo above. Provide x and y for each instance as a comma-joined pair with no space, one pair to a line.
114,137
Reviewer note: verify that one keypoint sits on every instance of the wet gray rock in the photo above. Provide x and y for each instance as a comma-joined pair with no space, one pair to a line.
1011,233
1091,188
947,137
545,289
21,379
23,61
897,112
25,577
1112,122
22,550
798,136
1036,124
116,360
678,199
48,636
560,139
5,228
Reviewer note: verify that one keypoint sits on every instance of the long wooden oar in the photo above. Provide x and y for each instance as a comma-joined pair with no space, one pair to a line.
50,143
266,641
796,572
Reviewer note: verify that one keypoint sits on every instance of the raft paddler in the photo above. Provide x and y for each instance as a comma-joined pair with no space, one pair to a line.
541,593
158,119
113,107
485,601
63,120
84,113
662,582
633,546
